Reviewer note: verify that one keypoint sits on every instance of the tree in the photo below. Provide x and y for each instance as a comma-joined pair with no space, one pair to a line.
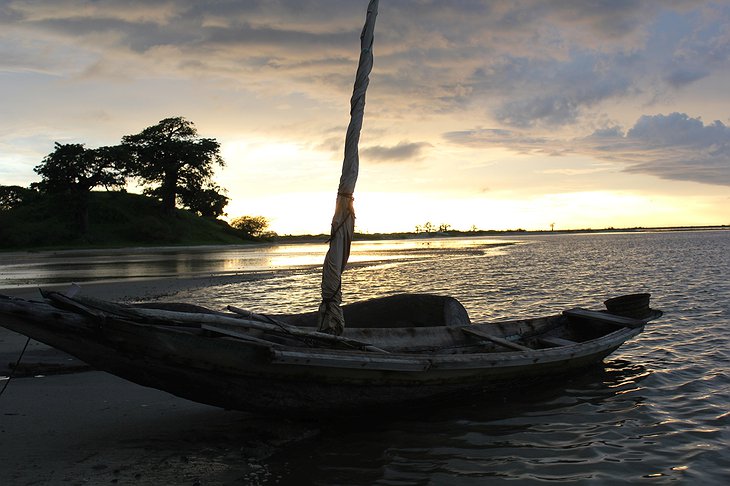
251,226
73,170
208,202
13,196
173,156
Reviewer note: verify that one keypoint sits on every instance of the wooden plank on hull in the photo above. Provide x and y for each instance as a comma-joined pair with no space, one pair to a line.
622,321
557,341
238,334
348,360
495,339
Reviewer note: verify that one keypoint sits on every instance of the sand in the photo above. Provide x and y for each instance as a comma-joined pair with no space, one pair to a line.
81,426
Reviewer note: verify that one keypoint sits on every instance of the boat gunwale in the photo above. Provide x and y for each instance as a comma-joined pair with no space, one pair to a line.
452,361
370,360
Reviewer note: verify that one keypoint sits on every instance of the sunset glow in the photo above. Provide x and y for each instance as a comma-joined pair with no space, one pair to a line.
494,115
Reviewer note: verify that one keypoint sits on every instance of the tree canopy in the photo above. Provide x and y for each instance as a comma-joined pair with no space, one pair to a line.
172,157
14,196
174,164
252,226
74,170
209,202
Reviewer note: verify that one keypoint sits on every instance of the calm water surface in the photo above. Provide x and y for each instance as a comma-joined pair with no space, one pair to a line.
658,412
28,269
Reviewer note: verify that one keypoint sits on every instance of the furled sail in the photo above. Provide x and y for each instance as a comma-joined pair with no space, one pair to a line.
331,317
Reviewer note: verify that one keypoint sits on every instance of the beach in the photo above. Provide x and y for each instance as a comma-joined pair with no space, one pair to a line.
63,423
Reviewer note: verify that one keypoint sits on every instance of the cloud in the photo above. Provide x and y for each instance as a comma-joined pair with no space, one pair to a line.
518,141
525,63
403,151
589,80
678,147
524,67
682,76
674,146
481,137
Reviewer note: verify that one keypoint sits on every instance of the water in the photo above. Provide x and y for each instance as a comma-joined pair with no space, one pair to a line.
658,412
27,269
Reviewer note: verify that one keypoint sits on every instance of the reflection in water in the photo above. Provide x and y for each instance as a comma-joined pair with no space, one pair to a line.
32,269
561,431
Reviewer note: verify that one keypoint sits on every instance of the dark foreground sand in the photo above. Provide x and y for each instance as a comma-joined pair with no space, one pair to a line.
81,426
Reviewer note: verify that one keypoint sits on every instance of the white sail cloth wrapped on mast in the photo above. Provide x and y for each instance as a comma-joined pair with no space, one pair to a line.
331,317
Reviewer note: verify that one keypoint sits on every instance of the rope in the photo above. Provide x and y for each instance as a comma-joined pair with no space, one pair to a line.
330,299
339,226
12,371
350,214
282,326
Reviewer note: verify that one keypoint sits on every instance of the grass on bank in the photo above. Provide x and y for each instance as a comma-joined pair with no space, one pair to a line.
116,219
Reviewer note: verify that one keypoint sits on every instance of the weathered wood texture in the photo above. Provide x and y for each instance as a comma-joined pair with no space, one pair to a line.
623,321
224,360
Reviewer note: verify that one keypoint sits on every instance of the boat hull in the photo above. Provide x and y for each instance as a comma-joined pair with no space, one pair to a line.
236,374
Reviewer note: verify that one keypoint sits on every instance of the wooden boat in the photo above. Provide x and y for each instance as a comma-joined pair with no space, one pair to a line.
403,348
397,349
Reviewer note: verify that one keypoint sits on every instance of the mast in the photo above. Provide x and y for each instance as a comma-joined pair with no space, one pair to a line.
331,318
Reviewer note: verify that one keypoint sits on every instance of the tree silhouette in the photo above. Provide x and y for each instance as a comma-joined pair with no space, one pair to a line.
14,196
209,202
251,226
173,156
73,170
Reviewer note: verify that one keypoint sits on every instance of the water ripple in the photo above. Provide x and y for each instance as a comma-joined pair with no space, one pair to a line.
655,412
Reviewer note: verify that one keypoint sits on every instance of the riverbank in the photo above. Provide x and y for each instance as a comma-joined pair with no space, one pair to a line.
359,237
95,428
408,235
114,219
141,289
63,423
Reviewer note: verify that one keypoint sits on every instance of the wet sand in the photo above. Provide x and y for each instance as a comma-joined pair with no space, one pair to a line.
137,289
62,423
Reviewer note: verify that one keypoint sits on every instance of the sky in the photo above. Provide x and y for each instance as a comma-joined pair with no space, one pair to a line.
480,114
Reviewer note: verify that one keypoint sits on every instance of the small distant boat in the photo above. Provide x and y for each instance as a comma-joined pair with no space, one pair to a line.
397,349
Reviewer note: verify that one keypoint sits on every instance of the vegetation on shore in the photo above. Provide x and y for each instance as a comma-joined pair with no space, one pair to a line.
115,219
474,233
120,219
181,206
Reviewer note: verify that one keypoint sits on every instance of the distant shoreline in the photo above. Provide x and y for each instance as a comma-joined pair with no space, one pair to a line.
478,233
323,238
